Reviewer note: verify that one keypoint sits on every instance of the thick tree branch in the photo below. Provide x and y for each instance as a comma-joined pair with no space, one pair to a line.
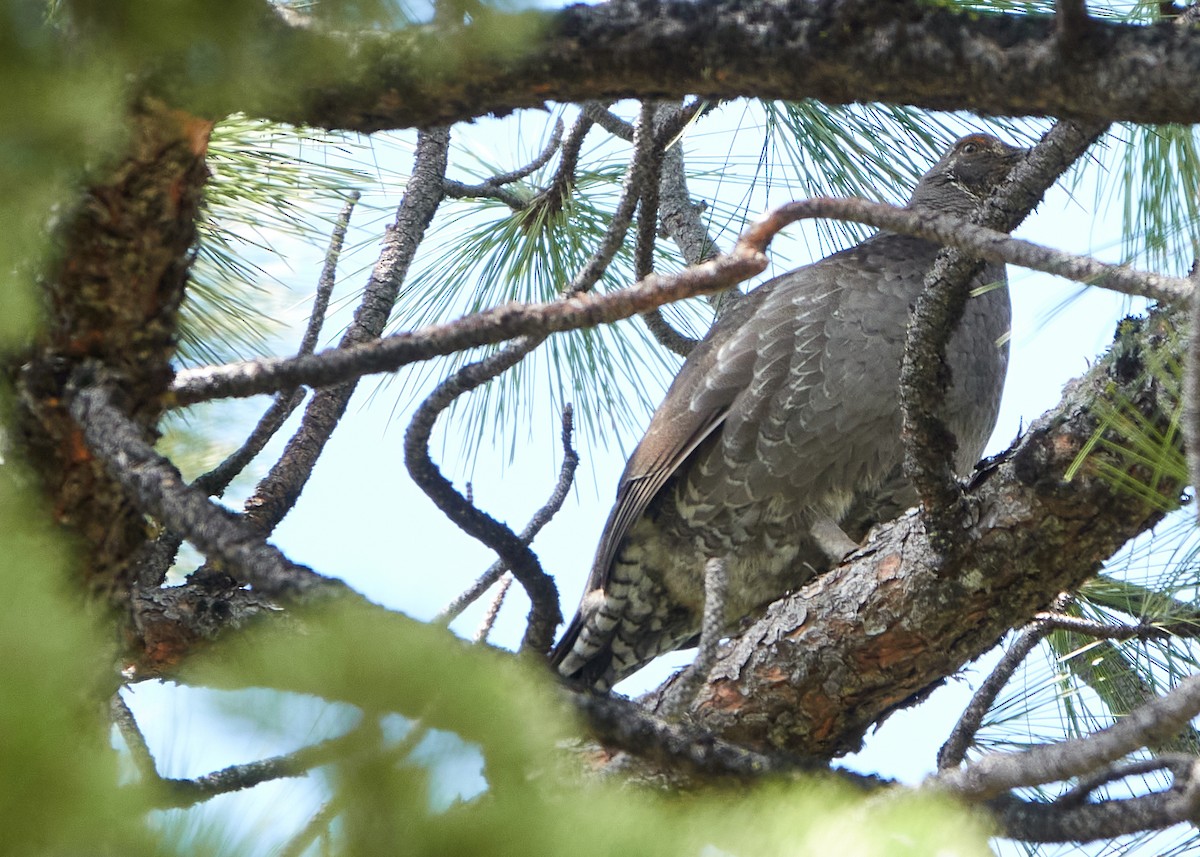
838,51
825,663
125,251
158,489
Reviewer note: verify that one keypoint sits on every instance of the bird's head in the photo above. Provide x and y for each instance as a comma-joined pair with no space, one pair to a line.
964,176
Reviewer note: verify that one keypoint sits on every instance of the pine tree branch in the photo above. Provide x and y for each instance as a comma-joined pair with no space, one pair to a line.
927,55
566,476
157,488
825,663
996,773
249,378
279,490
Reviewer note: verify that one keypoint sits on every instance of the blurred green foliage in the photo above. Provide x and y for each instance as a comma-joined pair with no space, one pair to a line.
536,801
60,113
58,774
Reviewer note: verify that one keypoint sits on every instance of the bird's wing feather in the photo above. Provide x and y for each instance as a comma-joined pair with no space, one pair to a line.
708,391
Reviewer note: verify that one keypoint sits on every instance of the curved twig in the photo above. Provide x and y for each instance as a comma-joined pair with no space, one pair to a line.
566,476
544,614
493,188
666,335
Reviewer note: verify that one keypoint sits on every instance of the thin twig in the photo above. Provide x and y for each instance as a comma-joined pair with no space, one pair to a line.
996,773
489,618
561,185
647,228
328,278
178,793
298,845
647,235
680,216
566,476
182,793
1102,630
620,723
556,138
217,480
493,187
154,558
1179,764
983,243
1118,682
1034,821
952,753
139,750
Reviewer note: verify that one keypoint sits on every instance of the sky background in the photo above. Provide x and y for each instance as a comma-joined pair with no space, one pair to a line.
360,518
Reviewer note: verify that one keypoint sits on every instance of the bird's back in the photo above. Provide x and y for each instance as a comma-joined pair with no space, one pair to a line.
788,411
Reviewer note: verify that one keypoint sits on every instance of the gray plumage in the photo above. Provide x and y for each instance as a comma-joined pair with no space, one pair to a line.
782,421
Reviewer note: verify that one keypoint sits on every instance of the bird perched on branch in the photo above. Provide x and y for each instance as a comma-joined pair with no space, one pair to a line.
778,444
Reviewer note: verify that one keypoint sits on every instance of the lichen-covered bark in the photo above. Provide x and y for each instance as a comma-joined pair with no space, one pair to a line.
124,254
838,51
895,620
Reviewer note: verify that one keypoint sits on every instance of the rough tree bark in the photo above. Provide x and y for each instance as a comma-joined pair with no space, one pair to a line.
113,295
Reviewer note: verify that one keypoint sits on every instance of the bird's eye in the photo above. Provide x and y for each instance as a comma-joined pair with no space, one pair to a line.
969,148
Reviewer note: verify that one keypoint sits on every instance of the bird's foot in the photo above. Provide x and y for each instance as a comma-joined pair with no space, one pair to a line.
831,539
